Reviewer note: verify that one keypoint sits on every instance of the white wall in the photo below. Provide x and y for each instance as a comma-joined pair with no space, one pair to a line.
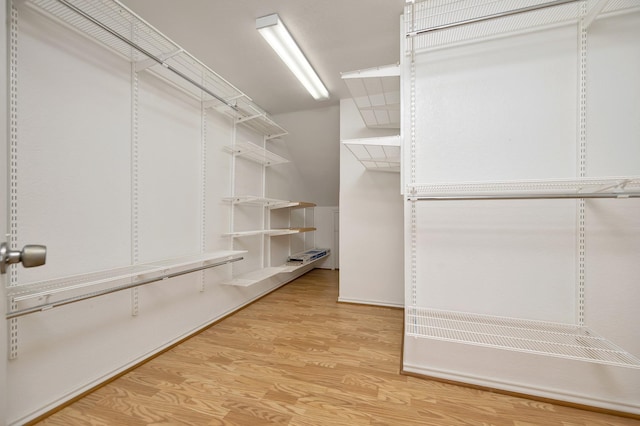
313,146
325,235
506,109
371,230
76,196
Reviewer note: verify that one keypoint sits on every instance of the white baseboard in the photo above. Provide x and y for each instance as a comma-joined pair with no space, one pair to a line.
520,389
370,302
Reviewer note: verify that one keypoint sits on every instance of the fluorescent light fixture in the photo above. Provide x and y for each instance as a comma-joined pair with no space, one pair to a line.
276,34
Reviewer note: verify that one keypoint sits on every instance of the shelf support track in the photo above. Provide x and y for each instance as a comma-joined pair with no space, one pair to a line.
47,306
144,52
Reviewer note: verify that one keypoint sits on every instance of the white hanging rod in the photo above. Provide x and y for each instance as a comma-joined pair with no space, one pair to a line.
47,306
529,196
489,17
144,52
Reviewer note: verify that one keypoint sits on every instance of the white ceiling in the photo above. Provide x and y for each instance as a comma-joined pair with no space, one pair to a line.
335,35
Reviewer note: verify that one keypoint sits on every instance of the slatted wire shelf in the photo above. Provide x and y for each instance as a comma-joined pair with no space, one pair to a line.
41,295
276,232
605,187
113,25
271,203
255,153
377,154
254,277
376,92
536,337
440,23
117,28
252,116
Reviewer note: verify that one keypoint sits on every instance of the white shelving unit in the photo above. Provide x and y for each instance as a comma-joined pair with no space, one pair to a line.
378,154
43,295
113,26
269,205
264,230
376,93
431,26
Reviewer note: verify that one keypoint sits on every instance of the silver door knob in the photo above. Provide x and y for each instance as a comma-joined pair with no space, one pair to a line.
30,256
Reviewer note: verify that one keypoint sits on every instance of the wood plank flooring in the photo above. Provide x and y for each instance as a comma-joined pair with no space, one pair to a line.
298,358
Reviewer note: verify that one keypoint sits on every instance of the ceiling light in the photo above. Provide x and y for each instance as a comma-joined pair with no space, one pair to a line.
276,34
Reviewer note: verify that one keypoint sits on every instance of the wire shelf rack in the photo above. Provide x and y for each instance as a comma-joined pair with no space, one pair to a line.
376,92
536,337
252,116
255,153
438,23
271,203
271,232
605,187
49,292
378,154
257,276
117,28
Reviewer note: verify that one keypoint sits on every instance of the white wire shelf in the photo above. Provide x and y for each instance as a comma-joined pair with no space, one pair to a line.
186,262
292,205
290,231
306,258
378,154
376,92
271,203
42,295
252,116
434,24
604,187
117,28
253,200
255,153
255,277
270,232
537,337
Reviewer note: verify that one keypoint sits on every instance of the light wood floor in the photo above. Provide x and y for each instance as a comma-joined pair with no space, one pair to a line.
297,357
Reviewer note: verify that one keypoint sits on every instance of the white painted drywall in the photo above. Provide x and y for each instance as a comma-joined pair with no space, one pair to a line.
371,217
506,109
325,235
313,146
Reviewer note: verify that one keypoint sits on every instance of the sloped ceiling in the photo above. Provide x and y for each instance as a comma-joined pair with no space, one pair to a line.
335,35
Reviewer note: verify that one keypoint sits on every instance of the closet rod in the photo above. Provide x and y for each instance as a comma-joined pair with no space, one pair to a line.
47,306
145,52
488,17
539,196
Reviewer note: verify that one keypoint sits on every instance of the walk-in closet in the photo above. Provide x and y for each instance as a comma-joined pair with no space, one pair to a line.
450,189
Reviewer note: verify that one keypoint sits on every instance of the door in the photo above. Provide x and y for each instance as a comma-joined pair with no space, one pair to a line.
336,239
